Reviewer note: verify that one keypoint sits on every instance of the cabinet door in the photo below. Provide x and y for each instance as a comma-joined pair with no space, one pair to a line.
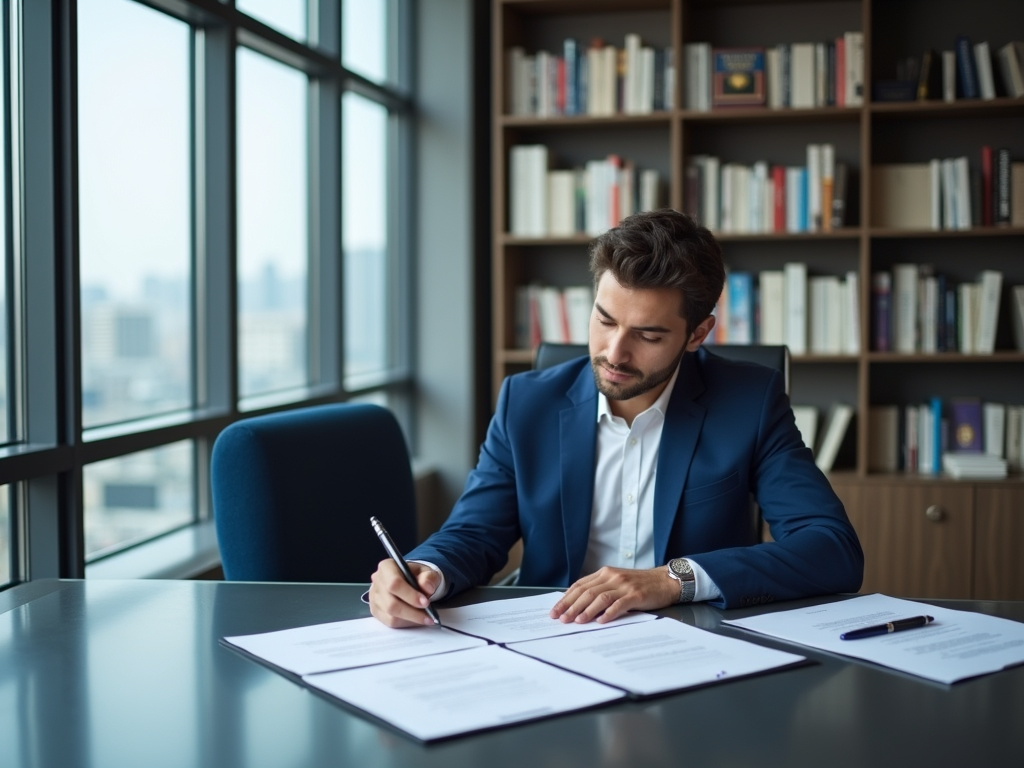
917,538
998,543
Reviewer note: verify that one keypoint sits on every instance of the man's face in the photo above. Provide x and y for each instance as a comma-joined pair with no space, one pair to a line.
637,338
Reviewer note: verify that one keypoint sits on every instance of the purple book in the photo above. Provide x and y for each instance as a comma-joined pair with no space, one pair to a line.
965,426
881,301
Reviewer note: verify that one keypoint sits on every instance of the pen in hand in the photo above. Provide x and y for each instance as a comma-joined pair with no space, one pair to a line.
883,629
394,554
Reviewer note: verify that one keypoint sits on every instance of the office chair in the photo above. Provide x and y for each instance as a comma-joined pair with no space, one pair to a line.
293,493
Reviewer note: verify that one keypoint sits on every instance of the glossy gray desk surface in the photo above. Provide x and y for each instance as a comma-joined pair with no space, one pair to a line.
118,673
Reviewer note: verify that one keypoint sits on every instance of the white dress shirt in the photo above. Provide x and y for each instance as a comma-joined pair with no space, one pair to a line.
622,519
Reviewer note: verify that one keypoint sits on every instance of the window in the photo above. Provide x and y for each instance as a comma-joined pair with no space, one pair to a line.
135,219
175,254
365,32
273,221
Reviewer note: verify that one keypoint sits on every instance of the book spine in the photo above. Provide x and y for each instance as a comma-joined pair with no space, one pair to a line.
881,299
1003,192
966,70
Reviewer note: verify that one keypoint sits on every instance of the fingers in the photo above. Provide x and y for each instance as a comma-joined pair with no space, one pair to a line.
611,592
394,602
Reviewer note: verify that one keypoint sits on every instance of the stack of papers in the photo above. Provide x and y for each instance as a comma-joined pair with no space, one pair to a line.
502,662
955,646
973,465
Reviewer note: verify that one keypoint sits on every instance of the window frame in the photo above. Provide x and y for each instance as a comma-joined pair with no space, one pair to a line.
44,467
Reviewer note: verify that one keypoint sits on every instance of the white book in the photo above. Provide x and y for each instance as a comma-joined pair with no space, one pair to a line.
712,198
949,75
773,78
814,187
796,307
854,85
515,93
991,282
646,105
967,294
758,207
649,190
742,182
851,306
607,84
935,187
904,307
928,314
726,199
596,212
806,417
545,94
994,428
950,218
595,68
963,192
561,203
833,431
817,294
1011,67
796,178
925,439
1014,436
983,62
528,190
631,82
551,308
802,75
579,304
772,285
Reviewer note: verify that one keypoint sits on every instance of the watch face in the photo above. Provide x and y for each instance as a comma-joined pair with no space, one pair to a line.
680,567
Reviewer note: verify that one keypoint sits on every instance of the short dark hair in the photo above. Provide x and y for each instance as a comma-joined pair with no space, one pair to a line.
664,249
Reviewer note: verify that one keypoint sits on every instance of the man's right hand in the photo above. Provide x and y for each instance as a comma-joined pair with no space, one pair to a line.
397,604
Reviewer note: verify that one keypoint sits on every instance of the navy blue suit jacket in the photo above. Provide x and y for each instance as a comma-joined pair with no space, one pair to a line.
729,432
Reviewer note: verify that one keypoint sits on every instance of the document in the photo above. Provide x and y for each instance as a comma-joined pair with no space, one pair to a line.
522,618
346,644
440,696
955,646
656,656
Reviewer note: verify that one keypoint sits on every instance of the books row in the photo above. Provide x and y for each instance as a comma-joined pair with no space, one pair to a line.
817,314
967,71
598,80
916,309
949,193
835,431
784,76
764,197
564,202
963,437
547,313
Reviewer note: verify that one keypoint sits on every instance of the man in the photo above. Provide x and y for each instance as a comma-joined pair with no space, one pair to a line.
628,475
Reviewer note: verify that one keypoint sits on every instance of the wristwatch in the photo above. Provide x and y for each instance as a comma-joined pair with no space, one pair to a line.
680,570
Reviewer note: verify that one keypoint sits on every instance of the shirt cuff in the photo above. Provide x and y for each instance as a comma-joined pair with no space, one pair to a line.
704,587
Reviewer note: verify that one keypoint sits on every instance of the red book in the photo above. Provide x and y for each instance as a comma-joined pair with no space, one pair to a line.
779,201
986,185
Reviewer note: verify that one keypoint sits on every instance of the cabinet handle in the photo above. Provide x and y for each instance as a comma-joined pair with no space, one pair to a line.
934,513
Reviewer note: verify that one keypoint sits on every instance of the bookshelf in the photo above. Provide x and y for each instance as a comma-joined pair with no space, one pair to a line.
923,522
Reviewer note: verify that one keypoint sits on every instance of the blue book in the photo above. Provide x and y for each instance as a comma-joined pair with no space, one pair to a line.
967,71
937,441
740,316
571,57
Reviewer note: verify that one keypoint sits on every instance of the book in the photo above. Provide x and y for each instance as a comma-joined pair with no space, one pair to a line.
901,196
834,430
741,308
881,311
828,178
772,308
528,168
796,307
1002,203
854,66
904,307
966,68
949,76
839,195
1011,67
883,443
965,424
1017,194
738,77
698,76
962,465
991,282
929,79
813,154
561,203
983,65
993,428
802,75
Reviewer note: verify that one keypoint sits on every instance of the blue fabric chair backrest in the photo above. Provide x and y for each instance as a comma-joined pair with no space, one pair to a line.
293,493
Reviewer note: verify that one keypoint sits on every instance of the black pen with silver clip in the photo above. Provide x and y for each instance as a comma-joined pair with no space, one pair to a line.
884,629
392,550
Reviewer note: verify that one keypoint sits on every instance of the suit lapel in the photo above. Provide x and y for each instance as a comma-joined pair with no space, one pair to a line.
577,453
683,423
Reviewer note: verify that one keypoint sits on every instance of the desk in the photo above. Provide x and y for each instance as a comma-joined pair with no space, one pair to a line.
131,674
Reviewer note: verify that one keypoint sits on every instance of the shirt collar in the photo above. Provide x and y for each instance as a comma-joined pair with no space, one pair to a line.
660,405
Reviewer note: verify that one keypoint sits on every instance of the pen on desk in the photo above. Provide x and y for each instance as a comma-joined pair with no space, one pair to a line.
884,629
395,555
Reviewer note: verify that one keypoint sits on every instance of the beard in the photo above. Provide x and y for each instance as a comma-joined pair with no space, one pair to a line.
643,382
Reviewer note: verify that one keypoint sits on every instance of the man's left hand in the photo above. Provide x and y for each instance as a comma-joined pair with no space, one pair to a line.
610,592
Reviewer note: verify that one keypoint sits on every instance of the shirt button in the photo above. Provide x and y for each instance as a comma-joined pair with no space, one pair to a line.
628,555
632,441
629,498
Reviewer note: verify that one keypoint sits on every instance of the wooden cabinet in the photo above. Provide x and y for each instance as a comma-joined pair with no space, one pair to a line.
972,548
